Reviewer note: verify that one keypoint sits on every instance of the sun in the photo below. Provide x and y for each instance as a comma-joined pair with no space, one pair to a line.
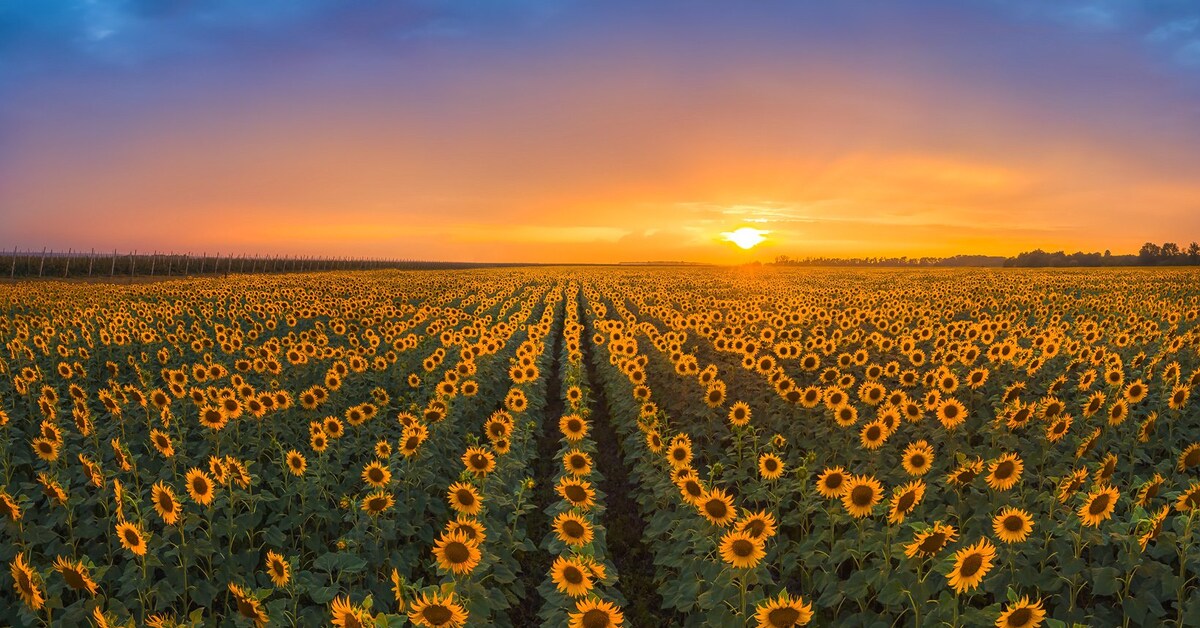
745,237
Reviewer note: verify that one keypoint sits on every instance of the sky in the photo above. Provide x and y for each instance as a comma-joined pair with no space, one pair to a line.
576,131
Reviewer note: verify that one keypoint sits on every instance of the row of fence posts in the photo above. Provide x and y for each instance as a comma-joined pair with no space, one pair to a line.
207,265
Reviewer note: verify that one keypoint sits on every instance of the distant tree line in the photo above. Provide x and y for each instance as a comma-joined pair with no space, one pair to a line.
1151,254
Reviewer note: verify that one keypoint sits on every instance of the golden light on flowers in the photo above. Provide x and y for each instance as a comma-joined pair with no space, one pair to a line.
717,506
132,538
572,529
278,569
971,564
770,466
27,582
783,611
199,486
248,605
861,495
931,541
904,499
1005,472
741,550
437,610
1099,505
464,498
1022,614
833,483
378,502
165,503
457,553
76,575
571,576
1012,525
345,614
745,237
376,475
594,613
918,458
579,493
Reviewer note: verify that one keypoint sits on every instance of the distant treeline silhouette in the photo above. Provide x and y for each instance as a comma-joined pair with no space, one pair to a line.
1151,254
47,263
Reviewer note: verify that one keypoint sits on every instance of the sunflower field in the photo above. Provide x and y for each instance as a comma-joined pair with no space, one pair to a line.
594,447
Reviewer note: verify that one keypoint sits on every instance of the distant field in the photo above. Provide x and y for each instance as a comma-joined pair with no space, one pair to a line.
603,446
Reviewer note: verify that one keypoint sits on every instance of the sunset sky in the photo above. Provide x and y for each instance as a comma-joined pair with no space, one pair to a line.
599,131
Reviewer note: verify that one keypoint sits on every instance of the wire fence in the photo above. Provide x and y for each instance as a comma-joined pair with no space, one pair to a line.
49,264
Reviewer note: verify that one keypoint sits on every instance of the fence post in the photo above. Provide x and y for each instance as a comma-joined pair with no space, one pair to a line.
43,264
91,260
12,273
113,271
153,259
132,265
186,262
67,266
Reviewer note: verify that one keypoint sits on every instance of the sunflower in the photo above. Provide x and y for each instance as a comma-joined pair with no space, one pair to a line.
1189,499
131,538
577,463
654,442
213,418
873,435
27,582
594,613
248,605
1155,527
296,463
53,490
9,507
46,449
931,541
1099,505
1005,472
571,576
845,415
862,493
741,550
965,473
579,493
759,525
1149,490
833,482
464,498
690,488
572,529
1189,458
376,475
377,503
199,486
952,413
76,575
278,568
918,458
436,611
479,461
783,611
345,614
319,442
971,564
1179,397
165,503
573,427
770,467
468,526
905,499
717,506
1012,525
456,553
739,414
679,454
1071,483
162,442
1058,428
1022,614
